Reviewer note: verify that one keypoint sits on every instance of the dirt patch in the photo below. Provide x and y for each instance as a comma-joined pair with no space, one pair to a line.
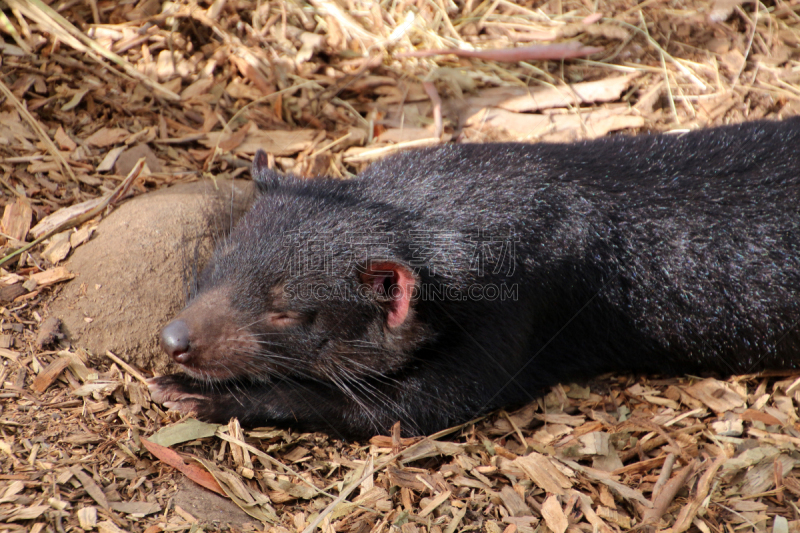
136,273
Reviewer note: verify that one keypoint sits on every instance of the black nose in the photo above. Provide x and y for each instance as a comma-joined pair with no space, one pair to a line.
175,340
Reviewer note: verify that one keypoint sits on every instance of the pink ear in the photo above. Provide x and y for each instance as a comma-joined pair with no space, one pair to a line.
395,282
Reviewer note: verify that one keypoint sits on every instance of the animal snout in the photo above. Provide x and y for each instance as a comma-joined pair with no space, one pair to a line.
175,341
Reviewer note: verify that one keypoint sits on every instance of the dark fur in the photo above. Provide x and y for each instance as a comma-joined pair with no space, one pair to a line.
656,253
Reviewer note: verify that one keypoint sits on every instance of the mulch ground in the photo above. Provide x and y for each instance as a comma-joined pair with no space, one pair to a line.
87,88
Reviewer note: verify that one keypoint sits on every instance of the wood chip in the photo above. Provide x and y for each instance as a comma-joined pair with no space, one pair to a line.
436,502
617,517
513,502
554,515
136,508
9,293
50,374
58,248
716,395
61,216
110,159
107,526
49,332
51,276
87,517
16,220
543,472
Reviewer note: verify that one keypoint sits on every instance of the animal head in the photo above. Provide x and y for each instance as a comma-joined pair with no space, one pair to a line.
311,284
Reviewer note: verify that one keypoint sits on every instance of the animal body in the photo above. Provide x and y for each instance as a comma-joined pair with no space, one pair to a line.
446,282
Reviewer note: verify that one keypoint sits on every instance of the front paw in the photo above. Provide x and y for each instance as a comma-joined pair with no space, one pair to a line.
177,393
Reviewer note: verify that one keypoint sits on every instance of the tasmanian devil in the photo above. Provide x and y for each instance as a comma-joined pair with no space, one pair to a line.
445,282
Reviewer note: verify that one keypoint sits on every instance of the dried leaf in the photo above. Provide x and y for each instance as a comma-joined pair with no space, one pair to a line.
63,140
249,500
276,143
92,488
107,137
520,100
193,472
189,429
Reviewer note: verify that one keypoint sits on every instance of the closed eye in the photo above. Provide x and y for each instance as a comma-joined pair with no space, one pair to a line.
286,319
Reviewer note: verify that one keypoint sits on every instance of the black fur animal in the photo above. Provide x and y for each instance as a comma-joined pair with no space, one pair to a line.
446,282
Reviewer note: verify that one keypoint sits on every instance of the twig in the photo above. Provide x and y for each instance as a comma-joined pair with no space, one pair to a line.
664,497
39,130
667,437
653,43
433,94
778,472
51,19
265,98
121,189
666,472
522,53
688,513
9,28
660,440
383,151
369,471
516,429
258,453
128,368
754,23
345,21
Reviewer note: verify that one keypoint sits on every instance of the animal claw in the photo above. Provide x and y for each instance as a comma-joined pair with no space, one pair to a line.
166,391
